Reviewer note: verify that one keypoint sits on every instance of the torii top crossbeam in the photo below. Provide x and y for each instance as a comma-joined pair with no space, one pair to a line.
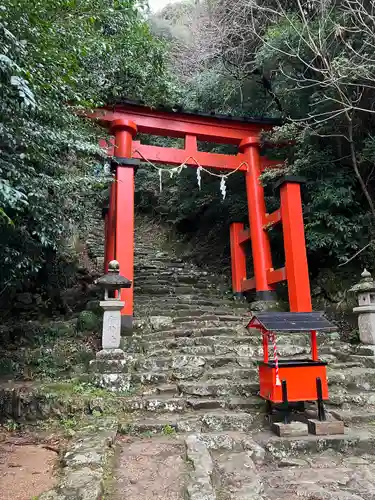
192,127
125,119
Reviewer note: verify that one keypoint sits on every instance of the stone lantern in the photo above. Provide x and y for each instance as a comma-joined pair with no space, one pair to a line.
110,367
365,291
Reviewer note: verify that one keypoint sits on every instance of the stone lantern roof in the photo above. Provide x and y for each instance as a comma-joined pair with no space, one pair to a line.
113,280
366,284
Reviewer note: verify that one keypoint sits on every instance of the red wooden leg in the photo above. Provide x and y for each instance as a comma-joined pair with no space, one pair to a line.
314,346
265,345
238,257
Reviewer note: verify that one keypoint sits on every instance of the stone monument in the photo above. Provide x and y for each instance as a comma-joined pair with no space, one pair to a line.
111,368
365,291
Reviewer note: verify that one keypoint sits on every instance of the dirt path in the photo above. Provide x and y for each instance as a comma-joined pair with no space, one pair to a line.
26,469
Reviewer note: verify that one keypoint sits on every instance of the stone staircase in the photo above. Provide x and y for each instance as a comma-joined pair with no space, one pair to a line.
192,351
195,372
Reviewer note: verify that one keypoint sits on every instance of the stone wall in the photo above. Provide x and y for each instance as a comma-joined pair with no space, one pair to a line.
95,238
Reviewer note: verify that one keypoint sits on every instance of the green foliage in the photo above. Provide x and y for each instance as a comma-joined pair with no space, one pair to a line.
58,59
11,426
35,350
88,321
168,430
69,426
314,66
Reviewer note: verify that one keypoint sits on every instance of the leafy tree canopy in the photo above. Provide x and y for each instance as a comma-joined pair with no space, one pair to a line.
310,63
57,59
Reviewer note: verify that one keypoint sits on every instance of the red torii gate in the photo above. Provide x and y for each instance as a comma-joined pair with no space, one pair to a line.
124,121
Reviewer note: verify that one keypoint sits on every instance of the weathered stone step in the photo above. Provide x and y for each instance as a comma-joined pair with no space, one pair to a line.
336,348
233,374
176,333
168,323
219,388
205,320
344,365
168,290
192,364
355,441
152,264
191,328
166,389
173,283
175,279
186,271
234,403
239,350
354,415
193,331
242,355
366,361
365,350
176,310
164,403
237,464
295,478
231,330
203,350
339,396
227,421
218,321
225,341
161,382
207,315
191,300
178,342
198,421
152,377
358,378
152,261
161,370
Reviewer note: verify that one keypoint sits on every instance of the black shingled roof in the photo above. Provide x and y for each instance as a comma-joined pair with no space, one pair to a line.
293,321
178,109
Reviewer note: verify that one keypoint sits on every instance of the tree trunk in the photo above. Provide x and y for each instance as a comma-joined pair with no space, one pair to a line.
356,169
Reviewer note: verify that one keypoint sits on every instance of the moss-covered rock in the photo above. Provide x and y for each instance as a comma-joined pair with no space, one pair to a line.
88,321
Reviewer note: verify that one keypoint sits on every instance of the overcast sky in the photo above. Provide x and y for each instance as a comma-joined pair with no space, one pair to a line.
159,4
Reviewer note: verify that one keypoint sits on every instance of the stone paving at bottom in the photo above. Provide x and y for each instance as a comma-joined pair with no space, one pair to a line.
150,469
327,476
190,467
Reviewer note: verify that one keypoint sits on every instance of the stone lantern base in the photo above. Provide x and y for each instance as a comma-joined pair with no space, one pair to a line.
111,370
111,367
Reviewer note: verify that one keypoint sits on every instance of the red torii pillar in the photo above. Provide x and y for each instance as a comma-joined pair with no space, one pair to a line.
260,246
120,218
294,243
